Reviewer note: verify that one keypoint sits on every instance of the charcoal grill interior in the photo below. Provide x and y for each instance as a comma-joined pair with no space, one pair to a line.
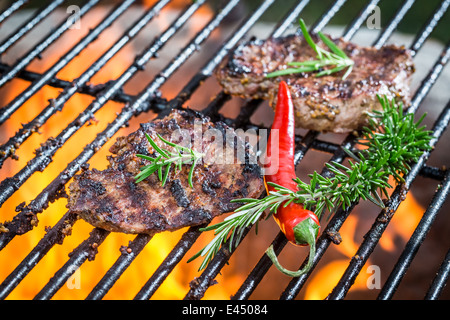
170,65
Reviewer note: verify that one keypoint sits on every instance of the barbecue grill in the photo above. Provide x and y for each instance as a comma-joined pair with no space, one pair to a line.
223,30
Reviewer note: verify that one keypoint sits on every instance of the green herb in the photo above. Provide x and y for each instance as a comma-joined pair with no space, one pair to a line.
337,58
245,216
166,158
393,141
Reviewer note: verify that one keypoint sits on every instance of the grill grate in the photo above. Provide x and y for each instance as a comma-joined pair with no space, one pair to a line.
149,99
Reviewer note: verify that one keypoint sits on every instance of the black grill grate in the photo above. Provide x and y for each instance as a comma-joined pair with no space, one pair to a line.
149,99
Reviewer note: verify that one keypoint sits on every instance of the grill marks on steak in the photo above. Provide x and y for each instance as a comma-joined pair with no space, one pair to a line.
111,199
325,103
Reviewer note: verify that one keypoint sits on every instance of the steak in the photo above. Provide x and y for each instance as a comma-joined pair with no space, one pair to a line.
111,199
326,103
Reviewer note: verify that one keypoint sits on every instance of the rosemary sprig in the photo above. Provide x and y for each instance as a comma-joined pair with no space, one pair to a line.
165,159
243,217
393,141
337,58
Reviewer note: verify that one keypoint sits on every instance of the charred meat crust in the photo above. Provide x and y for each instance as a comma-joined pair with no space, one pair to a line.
110,199
325,103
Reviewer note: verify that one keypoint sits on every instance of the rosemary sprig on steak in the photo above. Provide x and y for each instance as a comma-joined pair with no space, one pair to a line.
165,159
393,141
337,58
112,200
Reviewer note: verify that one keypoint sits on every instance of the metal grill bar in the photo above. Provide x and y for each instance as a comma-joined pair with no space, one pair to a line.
121,264
390,28
416,240
263,265
433,173
212,68
260,270
13,8
286,22
359,20
206,279
119,267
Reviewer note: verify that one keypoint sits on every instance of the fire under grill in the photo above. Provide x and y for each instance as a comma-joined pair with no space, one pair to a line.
135,98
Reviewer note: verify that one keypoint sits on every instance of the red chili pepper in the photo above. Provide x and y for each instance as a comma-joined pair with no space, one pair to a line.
300,226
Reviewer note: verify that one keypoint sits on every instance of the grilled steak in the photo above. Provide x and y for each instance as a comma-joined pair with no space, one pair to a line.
112,200
325,103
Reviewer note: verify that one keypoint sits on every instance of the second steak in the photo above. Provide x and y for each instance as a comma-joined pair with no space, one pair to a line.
325,103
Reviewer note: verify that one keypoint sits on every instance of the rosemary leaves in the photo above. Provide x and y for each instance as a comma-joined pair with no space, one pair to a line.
166,159
337,59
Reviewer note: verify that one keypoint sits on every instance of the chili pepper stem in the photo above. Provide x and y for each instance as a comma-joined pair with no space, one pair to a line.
306,233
